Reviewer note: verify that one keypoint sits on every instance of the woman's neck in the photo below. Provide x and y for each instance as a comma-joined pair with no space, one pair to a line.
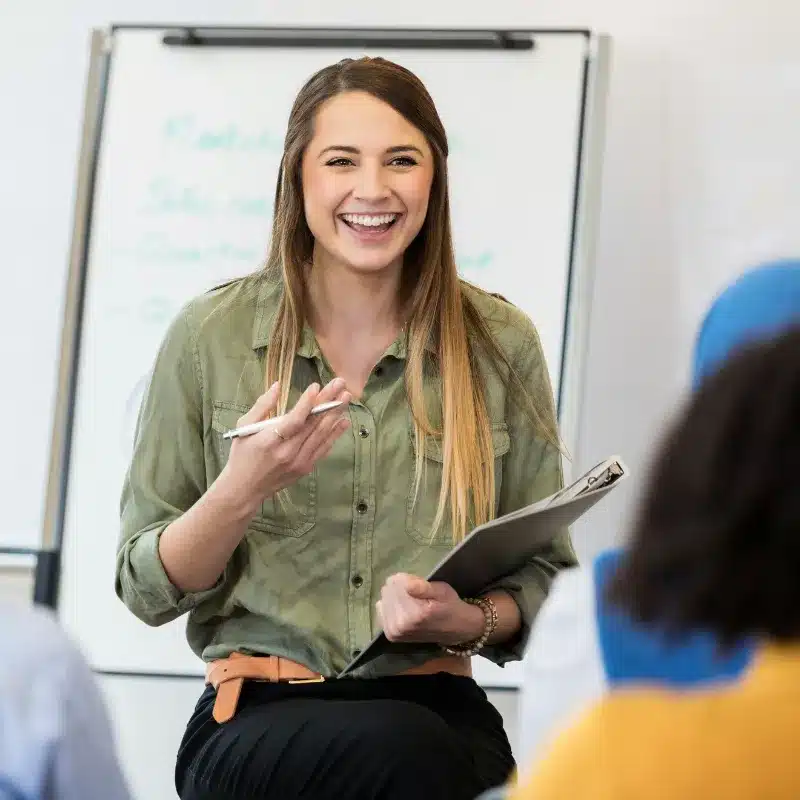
344,303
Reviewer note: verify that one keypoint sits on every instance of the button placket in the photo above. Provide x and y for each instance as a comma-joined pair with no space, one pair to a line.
360,612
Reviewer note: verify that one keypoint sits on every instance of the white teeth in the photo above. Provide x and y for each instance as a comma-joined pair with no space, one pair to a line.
371,221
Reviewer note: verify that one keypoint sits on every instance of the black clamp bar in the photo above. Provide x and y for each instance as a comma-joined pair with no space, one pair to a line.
350,37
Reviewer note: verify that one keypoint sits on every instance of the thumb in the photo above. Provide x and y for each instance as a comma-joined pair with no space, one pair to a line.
424,590
259,410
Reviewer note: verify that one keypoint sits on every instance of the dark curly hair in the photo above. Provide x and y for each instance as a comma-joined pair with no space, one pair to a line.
716,545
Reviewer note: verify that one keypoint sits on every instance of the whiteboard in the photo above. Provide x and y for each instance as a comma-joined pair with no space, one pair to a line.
184,178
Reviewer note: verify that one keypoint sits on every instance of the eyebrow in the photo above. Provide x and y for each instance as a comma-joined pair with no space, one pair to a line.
345,148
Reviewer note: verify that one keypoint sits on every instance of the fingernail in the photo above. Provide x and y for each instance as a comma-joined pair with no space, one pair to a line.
274,386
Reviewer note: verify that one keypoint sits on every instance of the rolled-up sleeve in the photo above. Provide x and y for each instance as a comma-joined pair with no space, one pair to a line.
531,471
165,478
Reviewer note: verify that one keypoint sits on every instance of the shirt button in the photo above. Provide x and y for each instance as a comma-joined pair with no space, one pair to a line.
357,581
356,653
378,371
361,507
363,432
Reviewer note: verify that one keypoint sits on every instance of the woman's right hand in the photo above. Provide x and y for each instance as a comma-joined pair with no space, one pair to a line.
265,462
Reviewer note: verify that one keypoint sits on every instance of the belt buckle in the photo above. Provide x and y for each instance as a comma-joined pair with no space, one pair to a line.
320,679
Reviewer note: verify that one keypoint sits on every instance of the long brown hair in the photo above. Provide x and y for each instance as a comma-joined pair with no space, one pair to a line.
437,310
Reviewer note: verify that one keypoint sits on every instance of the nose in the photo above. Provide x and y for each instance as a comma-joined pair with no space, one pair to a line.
371,184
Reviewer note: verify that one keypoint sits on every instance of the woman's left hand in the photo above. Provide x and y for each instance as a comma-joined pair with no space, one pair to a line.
412,609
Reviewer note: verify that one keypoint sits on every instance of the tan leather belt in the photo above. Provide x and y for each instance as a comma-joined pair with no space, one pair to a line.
227,675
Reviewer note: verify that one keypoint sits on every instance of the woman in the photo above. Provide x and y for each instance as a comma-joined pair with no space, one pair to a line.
292,547
581,646
715,548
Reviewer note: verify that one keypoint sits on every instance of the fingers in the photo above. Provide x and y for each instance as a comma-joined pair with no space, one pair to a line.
322,435
340,426
421,589
401,613
393,615
296,418
333,390
262,406
297,422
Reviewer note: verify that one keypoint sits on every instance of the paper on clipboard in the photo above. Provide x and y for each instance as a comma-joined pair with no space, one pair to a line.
503,545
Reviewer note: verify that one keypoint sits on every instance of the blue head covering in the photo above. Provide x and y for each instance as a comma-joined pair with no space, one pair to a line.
760,304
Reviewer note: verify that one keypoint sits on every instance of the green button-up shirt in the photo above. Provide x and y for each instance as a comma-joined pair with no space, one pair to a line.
304,580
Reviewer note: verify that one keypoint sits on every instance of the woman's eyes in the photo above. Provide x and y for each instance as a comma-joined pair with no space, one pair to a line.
399,161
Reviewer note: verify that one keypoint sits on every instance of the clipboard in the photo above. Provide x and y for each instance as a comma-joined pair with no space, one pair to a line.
503,545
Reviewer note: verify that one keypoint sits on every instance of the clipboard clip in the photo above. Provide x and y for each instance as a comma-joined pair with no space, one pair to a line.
599,477
606,478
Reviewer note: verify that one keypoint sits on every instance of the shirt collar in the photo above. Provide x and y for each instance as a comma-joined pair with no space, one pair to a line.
267,308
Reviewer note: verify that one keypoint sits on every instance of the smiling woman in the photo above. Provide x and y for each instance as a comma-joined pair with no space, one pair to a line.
292,547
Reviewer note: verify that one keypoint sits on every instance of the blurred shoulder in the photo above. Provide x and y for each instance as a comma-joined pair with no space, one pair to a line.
594,756
663,716
34,641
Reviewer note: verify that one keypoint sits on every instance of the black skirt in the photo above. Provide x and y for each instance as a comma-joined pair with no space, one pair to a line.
412,737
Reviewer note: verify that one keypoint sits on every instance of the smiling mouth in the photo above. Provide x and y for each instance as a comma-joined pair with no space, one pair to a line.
370,223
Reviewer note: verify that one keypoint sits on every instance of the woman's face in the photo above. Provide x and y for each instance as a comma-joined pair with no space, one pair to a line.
367,175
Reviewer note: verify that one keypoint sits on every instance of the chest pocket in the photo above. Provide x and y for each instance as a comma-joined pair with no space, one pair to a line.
294,512
421,514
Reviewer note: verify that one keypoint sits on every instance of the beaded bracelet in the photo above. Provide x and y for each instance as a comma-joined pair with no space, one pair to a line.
468,649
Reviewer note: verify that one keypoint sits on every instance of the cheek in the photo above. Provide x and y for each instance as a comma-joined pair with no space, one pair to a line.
320,199
417,194
416,199
313,199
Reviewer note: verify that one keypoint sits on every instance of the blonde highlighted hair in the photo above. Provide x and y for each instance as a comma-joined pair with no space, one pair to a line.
436,309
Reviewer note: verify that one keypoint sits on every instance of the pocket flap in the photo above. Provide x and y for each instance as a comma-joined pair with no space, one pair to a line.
501,443
225,416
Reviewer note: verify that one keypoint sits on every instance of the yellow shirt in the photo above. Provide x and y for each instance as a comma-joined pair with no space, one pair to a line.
733,743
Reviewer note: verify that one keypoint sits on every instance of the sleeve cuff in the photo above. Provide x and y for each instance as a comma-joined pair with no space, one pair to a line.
145,562
528,592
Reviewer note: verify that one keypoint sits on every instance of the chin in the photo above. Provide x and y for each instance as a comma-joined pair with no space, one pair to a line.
370,262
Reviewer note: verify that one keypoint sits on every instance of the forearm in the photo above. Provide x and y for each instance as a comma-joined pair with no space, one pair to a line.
195,548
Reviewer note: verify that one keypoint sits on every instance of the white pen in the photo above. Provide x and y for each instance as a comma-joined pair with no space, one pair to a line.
255,427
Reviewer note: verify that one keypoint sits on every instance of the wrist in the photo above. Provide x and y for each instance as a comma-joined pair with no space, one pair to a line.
475,622
229,493
472,646
468,625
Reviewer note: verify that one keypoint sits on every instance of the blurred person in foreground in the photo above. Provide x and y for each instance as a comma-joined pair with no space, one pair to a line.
56,741
581,647
715,548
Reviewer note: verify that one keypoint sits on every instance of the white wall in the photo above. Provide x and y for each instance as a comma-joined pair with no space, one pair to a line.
702,178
